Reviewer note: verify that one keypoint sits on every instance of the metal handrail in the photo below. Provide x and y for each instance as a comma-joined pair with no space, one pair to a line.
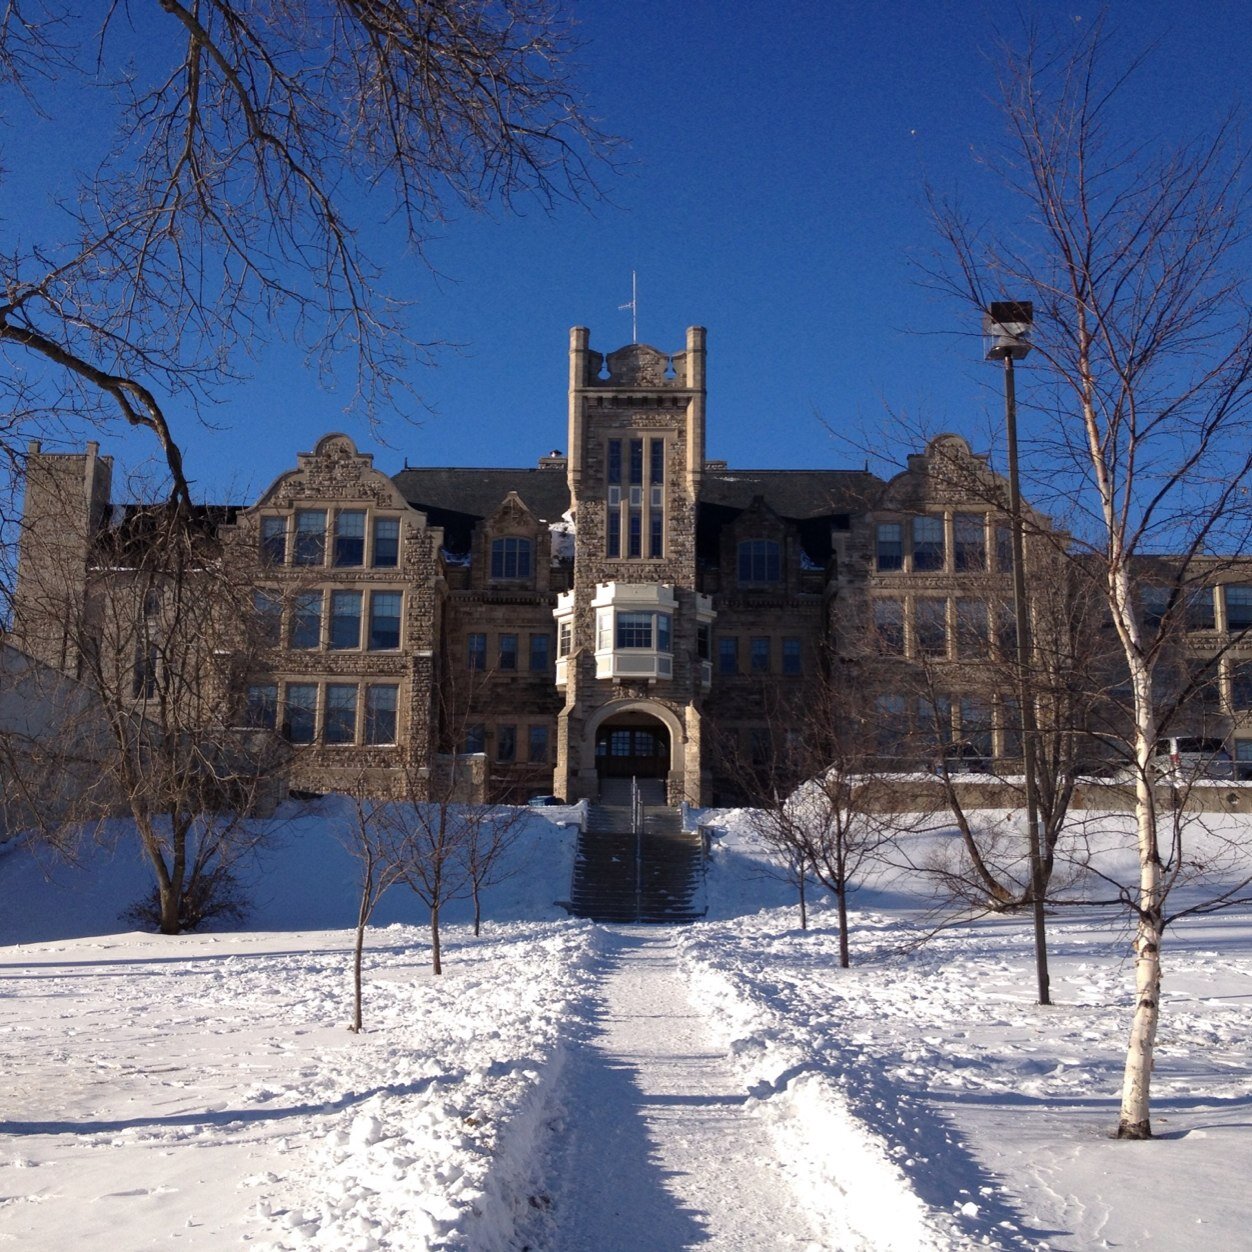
636,823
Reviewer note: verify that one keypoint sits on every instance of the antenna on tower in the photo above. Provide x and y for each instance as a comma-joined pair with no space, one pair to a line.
633,306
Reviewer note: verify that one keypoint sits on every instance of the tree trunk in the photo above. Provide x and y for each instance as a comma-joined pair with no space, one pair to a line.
841,896
804,911
478,912
436,962
356,978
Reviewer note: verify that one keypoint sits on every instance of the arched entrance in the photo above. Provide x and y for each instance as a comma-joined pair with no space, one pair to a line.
632,745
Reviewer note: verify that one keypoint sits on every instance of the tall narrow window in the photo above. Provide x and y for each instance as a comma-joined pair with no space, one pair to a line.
969,538
656,538
475,737
345,619
1241,687
636,533
565,639
386,542
267,613
636,462
380,713
144,680
1004,549
759,654
306,620
614,538
1200,615
539,648
972,638
477,651
613,471
792,657
510,558
506,744
930,623
656,452
310,548
350,537
927,543
261,711
889,625
537,747
274,540
300,712
727,654
340,726
508,652
889,549
385,609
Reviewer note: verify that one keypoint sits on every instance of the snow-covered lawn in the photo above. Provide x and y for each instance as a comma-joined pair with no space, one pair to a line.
203,1091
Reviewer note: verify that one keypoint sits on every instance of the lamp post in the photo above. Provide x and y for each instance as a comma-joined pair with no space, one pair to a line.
1007,325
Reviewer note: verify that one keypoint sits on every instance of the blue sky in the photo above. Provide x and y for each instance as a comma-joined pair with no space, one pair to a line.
772,194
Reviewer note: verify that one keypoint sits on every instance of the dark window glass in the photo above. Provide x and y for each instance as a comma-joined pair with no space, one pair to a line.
537,747
1153,604
792,657
340,726
760,561
1243,759
476,737
976,724
663,624
300,712
759,654
704,641
615,461
274,540
262,707
636,462
350,537
385,607
656,539
310,537
506,743
634,630
380,713
636,533
267,610
1238,606
927,543
306,620
345,619
1006,631
510,558
656,450
727,654
889,626
1200,615
972,628
889,551
970,541
386,542
891,723
1241,688
1004,550
477,650
540,645
931,625
615,533
508,652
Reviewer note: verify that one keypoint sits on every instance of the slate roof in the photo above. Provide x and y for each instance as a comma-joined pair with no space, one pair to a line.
796,494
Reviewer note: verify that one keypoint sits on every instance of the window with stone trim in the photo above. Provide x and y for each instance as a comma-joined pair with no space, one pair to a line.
758,654
508,652
300,712
476,650
540,646
889,546
889,625
1238,606
760,561
261,708
537,744
310,541
381,703
385,611
927,543
506,743
511,558
386,542
969,541
349,546
930,626
306,620
727,654
792,657
274,540
345,620
339,722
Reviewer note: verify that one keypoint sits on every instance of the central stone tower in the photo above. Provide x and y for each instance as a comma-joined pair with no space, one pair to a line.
633,635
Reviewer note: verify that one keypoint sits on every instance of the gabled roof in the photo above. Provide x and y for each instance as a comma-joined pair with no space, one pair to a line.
795,494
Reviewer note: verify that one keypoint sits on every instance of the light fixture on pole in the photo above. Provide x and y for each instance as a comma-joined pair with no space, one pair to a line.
1006,324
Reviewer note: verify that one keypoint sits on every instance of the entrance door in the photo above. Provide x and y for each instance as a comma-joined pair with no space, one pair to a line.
632,749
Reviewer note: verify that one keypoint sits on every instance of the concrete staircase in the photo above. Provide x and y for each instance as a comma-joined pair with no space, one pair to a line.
622,877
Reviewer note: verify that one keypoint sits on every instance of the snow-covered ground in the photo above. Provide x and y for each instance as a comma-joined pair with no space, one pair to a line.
677,1088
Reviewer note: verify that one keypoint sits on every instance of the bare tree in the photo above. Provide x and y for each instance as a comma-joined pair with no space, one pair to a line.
490,834
368,839
160,634
1130,257
250,145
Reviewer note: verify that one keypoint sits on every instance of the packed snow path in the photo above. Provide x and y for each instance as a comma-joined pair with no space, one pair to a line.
658,1150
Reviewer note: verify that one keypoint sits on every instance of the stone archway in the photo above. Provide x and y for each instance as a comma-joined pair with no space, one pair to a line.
636,738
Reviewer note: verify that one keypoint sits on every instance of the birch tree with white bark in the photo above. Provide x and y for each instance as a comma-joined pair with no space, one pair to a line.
1138,399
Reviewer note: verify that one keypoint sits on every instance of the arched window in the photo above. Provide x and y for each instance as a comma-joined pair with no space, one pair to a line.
759,561
510,558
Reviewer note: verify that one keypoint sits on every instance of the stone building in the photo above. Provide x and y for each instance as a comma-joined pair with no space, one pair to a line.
628,608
